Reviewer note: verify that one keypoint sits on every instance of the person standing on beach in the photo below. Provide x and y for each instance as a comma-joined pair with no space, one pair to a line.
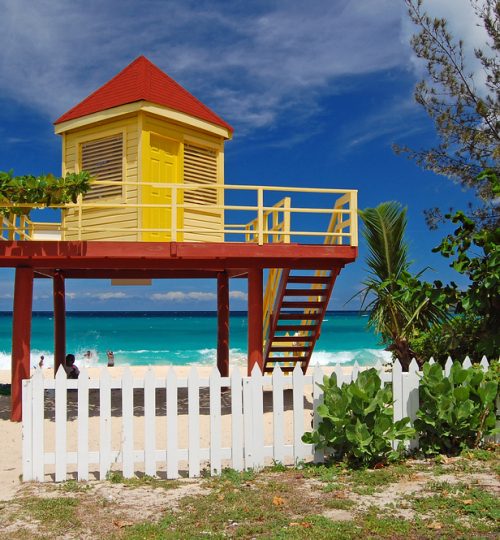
69,366
111,358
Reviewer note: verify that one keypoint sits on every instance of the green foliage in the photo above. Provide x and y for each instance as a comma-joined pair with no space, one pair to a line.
474,252
44,190
465,111
357,421
401,305
458,411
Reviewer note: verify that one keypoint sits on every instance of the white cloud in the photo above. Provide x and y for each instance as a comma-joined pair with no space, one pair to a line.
179,296
264,59
109,295
238,295
462,22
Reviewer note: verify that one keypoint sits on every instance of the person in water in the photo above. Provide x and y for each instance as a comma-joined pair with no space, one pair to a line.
69,366
111,358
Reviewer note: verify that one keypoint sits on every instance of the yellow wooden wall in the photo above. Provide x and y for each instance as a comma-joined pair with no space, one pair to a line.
202,225
105,219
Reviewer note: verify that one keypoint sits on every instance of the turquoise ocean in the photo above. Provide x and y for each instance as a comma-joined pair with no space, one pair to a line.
180,338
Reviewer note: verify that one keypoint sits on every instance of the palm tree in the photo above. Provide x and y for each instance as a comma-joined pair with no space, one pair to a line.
401,305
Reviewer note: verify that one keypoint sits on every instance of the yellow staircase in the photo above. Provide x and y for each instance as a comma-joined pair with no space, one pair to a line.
293,325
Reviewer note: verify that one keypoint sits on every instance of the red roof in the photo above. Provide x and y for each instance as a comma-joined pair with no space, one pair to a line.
142,80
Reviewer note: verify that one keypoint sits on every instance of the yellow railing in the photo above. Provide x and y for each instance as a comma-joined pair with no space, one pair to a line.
15,227
263,216
338,221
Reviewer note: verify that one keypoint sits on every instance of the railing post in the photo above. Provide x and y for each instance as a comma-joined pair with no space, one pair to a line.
353,206
260,215
80,212
173,215
286,219
12,225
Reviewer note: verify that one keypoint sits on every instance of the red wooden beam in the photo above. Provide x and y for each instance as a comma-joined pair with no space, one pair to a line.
171,255
255,320
21,336
223,324
59,321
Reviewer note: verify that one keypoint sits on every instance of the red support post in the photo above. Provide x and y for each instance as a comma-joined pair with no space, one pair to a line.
255,319
59,320
223,323
21,338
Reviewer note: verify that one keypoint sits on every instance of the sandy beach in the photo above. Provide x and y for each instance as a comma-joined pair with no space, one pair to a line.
10,450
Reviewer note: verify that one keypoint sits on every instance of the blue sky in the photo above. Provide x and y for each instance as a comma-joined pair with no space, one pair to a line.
317,95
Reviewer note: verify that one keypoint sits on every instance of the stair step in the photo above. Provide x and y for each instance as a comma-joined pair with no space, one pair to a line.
297,328
310,305
286,359
308,279
294,339
288,348
284,369
306,292
299,316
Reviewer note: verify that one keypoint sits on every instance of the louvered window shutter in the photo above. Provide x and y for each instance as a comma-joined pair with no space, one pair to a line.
200,168
103,159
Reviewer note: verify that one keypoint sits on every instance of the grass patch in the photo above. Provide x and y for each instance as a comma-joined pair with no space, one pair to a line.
72,486
117,477
59,511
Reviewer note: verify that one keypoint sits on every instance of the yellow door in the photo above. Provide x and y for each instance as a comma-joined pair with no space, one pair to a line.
162,168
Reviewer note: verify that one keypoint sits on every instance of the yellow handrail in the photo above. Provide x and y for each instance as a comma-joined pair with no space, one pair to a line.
272,222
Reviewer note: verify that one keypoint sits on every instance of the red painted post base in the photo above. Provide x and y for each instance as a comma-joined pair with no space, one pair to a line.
255,320
21,336
223,324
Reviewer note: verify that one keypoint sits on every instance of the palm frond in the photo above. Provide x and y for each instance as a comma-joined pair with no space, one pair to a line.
384,228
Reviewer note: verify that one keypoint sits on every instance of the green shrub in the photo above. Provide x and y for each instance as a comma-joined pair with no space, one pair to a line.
357,421
457,411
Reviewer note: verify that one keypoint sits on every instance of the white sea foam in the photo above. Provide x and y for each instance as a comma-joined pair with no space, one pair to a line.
362,356
206,356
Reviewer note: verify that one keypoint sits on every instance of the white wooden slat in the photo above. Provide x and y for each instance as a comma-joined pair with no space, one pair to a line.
447,366
466,363
236,420
38,426
397,389
149,422
278,416
355,371
104,423
248,423
257,417
83,425
215,423
127,423
298,413
61,418
172,427
27,430
484,363
411,397
194,423
340,375
318,399
431,361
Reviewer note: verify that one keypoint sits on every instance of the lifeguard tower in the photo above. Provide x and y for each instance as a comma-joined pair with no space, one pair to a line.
159,208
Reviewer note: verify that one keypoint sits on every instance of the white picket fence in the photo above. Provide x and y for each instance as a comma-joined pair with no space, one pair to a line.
47,410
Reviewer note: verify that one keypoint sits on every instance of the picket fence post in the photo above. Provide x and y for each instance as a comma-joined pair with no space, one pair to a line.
318,399
193,423
278,379
127,442
237,420
172,427
61,417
